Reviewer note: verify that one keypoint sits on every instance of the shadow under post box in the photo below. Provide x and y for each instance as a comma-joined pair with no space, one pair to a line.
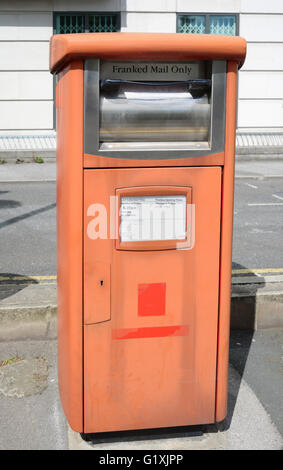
12,283
144,434
245,285
243,316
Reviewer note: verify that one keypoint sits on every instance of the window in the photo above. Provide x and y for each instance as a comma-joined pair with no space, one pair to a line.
207,24
66,23
221,24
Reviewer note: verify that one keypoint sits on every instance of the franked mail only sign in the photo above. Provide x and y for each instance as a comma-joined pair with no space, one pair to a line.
154,71
152,218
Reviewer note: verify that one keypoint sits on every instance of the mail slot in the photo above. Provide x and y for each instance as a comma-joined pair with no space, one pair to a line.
134,111
145,168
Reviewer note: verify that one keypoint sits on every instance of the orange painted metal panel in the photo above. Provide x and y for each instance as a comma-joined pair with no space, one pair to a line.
226,243
144,46
69,240
94,161
97,284
154,371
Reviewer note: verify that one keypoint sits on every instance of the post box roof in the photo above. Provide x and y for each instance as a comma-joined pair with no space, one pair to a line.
65,48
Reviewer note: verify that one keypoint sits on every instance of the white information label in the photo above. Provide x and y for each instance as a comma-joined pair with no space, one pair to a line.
152,218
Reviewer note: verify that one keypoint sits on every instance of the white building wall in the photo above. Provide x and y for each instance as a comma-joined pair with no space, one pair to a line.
261,78
26,90
26,86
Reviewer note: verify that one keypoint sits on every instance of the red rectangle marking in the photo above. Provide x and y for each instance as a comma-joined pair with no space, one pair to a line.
150,332
151,299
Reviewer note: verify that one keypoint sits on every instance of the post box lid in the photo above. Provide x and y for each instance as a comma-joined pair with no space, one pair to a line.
65,48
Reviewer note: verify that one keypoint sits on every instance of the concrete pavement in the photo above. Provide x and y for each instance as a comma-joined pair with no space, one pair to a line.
13,172
247,427
257,168
32,416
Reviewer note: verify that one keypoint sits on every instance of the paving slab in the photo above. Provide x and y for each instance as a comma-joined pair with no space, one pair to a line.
247,427
32,417
244,168
28,310
259,168
13,172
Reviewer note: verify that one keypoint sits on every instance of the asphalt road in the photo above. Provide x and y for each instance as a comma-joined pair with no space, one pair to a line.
28,226
258,223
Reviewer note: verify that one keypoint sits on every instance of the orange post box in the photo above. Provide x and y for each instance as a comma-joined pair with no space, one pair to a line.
145,180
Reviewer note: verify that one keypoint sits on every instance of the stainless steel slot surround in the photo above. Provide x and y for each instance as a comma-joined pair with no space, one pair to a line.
161,148
144,111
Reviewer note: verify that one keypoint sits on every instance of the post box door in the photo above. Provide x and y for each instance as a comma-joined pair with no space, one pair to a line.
150,305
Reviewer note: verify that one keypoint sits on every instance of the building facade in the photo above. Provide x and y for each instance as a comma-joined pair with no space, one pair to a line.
27,92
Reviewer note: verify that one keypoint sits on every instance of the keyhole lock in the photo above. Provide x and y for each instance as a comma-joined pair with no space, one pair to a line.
101,282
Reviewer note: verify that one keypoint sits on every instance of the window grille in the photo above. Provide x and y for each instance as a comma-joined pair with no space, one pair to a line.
209,24
102,23
66,23
191,24
222,25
